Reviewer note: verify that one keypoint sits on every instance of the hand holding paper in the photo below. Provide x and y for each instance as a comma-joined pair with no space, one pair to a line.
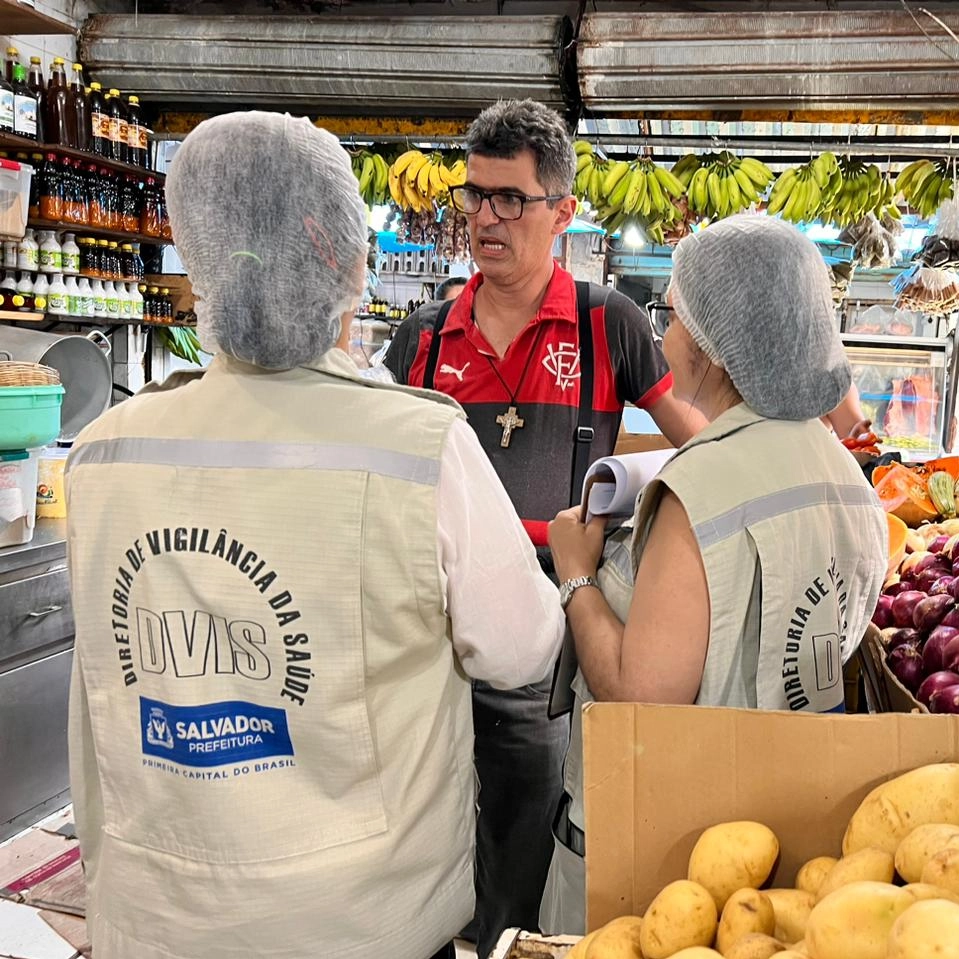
613,483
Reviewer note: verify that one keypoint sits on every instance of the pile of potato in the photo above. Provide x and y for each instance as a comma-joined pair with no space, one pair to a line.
894,893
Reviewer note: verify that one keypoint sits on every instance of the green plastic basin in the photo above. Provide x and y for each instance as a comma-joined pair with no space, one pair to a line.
29,416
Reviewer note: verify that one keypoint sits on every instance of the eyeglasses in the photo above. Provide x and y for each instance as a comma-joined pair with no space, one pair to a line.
506,206
658,313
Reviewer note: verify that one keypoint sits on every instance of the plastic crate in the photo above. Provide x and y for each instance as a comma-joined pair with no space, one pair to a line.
14,198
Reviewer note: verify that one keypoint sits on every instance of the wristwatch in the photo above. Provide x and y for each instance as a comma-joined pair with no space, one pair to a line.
570,586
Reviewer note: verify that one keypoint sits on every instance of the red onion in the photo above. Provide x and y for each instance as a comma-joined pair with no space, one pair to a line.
906,663
937,544
900,637
934,647
904,605
942,585
882,617
929,611
894,589
950,655
945,700
930,684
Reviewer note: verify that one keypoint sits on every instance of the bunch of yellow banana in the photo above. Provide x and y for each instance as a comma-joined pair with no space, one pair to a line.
801,192
727,185
638,188
863,190
373,173
591,170
418,181
925,186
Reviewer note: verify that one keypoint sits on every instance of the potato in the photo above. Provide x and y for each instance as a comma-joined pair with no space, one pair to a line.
618,939
792,908
696,952
731,856
810,876
682,915
924,930
854,921
893,809
925,890
754,945
943,870
581,948
921,845
867,865
746,910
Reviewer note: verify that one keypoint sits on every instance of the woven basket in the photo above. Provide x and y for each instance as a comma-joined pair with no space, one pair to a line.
14,373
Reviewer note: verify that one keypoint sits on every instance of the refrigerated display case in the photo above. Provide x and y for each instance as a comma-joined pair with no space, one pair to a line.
907,387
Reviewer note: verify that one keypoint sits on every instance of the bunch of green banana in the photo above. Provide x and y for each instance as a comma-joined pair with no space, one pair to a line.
638,188
372,172
800,191
925,186
181,341
684,168
863,190
727,185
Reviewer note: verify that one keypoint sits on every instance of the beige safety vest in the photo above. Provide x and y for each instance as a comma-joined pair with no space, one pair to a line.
271,740
793,541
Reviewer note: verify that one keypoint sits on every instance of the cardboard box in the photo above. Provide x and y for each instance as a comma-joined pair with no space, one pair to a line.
657,776
516,944
893,696
640,442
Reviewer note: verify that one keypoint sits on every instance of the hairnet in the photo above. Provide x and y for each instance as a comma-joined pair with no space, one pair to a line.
267,218
755,295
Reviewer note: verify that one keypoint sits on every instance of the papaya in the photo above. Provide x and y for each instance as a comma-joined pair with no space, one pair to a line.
904,494
898,533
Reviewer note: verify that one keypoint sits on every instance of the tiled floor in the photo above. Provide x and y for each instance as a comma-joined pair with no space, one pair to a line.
30,933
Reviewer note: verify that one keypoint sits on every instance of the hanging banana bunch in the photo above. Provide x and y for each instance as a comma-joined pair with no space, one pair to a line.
591,171
800,191
639,189
863,190
419,182
727,185
926,185
684,168
372,172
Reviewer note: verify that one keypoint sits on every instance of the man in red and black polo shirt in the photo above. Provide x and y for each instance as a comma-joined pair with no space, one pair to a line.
509,351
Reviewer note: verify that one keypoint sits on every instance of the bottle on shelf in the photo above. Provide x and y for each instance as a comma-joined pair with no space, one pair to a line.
99,298
152,305
123,297
51,189
86,296
99,122
9,254
51,253
138,271
136,301
111,200
118,122
57,295
166,304
80,108
36,84
70,253
136,133
129,205
73,295
12,60
33,204
25,284
9,282
113,301
150,216
28,252
113,259
41,290
6,105
25,105
58,120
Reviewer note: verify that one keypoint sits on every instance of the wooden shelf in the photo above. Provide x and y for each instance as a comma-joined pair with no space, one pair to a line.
18,18
81,230
20,317
10,141
105,321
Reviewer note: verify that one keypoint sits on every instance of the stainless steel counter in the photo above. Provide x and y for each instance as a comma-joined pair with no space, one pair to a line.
49,543
36,650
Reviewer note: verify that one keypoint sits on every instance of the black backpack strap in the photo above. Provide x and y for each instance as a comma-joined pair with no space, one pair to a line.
434,353
582,441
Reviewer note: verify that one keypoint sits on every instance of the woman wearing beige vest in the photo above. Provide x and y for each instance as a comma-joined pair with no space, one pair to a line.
757,554
284,578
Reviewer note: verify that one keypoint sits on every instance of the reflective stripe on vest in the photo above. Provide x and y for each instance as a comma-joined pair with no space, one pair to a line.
779,503
236,454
